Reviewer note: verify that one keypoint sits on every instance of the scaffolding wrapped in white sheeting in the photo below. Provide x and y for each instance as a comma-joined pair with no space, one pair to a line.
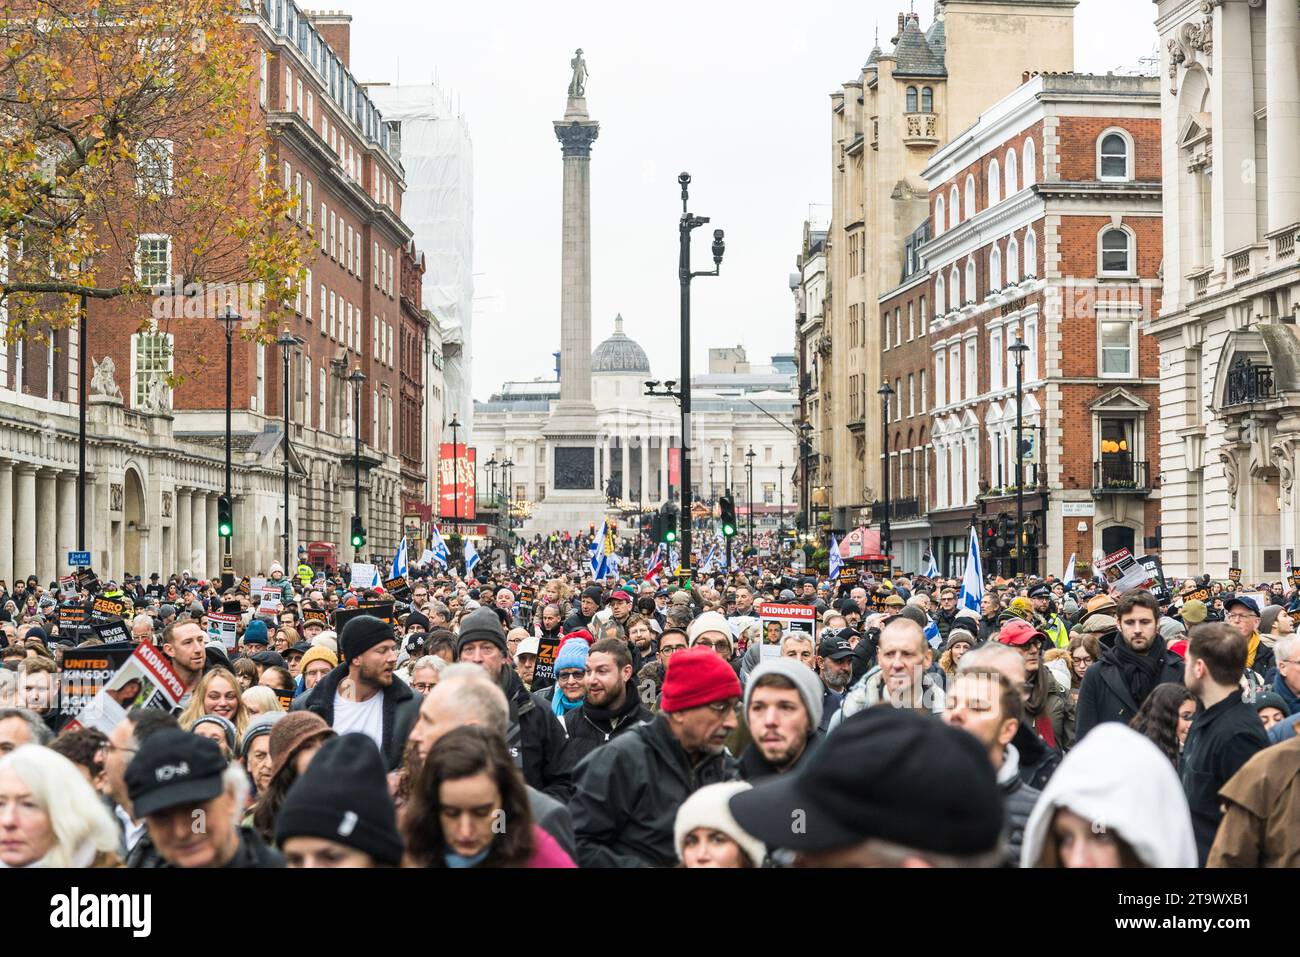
438,205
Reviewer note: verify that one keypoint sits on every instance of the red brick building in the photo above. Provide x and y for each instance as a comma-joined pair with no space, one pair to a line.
1045,228
411,351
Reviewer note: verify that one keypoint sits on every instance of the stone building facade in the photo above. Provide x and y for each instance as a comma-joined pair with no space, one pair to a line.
1229,361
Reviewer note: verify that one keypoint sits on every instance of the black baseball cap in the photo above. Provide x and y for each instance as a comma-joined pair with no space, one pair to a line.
174,767
886,773
834,648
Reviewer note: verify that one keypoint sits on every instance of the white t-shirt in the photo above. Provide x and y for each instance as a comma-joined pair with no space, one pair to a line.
365,718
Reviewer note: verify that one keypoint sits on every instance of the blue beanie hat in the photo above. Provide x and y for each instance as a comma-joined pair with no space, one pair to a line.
573,654
255,633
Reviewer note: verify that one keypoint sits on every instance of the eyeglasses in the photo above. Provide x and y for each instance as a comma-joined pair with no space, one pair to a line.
705,643
1244,616
1084,660
667,650
570,676
722,707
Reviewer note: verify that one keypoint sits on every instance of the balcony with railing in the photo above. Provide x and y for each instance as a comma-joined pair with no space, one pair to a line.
922,129
1120,475
1248,382
1200,282
1284,244
900,510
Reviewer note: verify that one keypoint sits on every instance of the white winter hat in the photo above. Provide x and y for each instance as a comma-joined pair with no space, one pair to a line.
528,646
327,639
708,807
710,621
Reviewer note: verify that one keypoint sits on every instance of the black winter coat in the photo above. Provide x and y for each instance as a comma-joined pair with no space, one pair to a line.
754,766
1220,741
628,793
252,853
1038,762
401,707
1105,695
535,739
589,727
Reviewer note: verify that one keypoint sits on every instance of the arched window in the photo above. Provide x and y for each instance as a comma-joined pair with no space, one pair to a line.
911,99
954,288
954,208
995,268
938,215
1114,156
1031,252
1116,251
995,183
970,196
1013,261
972,294
1012,185
1030,164
940,296
927,100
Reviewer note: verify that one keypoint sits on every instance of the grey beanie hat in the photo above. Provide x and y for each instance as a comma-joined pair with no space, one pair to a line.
1170,629
481,624
260,725
232,736
801,676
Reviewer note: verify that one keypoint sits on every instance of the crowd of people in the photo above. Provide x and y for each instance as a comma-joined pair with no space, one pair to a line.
530,716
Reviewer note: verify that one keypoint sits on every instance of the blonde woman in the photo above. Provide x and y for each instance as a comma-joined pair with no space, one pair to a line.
260,699
50,816
217,693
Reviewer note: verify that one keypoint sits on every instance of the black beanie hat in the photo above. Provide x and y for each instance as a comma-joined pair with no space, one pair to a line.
481,624
362,633
594,593
343,797
417,620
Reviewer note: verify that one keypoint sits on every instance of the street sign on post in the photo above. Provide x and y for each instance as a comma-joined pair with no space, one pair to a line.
79,559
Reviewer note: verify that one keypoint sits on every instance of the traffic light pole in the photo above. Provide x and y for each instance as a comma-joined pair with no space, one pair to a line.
1020,467
227,556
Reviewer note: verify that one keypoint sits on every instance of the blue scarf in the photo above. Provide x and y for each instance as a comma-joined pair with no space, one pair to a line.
457,860
560,705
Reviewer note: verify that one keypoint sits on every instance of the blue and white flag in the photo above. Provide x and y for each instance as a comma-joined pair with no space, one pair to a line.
932,634
932,566
399,560
596,553
972,582
376,581
438,548
1069,570
834,561
471,556
707,564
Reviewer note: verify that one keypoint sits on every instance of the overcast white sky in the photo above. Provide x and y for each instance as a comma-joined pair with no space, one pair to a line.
735,93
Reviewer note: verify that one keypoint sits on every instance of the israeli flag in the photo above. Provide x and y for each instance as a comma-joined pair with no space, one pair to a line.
932,634
399,560
471,556
932,566
1069,569
707,566
972,582
834,561
596,553
438,548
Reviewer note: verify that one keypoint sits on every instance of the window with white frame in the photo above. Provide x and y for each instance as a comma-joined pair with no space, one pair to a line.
297,101
348,254
995,268
911,395
307,288
311,108
153,260
153,167
1013,261
954,373
151,358
1010,172
297,196
1118,344
939,210
259,394
954,288
334,325
898,402
374,265
1031,252
306,391
262,77
923,316
320,408
888,325
972,368
995,183
1031,357
911,321
995,360
954,208
940,378
898,325
1116,252
307,200
1115,157
940,295
374,417
921,390
940,475
970,196
972,287
333,222
1030,163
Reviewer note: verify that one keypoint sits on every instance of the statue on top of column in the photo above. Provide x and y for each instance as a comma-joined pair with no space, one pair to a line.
578,86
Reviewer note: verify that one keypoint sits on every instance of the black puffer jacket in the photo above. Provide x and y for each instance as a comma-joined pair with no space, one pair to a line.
401,707
1038,762
535,739
1020,799
589,727
628,793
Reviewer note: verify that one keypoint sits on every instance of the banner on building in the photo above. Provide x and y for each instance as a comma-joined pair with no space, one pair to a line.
456,482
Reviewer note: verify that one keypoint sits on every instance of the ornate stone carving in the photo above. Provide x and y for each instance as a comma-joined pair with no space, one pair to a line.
576,138
1202,37
157,399
1230,475
1177,57
1283,453
575,468
115,497
104,380
166,504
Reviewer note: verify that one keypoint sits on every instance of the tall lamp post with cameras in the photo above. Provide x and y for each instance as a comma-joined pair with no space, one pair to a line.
749,482
230,320
357,379
1019,350
286,342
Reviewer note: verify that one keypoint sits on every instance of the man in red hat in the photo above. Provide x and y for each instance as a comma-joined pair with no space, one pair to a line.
628,791
1048,708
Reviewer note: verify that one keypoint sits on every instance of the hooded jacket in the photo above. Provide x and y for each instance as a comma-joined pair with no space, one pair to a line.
588,726
1118,778
1105,695
628,793
1020,799
401,707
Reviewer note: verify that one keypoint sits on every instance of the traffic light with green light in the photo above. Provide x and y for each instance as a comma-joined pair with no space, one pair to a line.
358,532
727,510
668,515
225,518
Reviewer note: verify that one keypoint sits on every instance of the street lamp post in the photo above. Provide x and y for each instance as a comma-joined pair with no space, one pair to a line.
230,319
357,378
507,470
492,482
286,342
805,445
1019,349
885,391
780,534
726,468
687,223
749,482
455,470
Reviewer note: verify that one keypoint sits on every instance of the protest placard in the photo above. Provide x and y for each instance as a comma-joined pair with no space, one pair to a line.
776,619
86,579
85,672
363,575
1122,571
316,614
106,609
224,628
1156,573
145,680
68,586
547,651
111,632
1234,575
398,587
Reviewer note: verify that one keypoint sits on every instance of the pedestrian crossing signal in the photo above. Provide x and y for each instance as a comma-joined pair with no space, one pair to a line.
225,518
